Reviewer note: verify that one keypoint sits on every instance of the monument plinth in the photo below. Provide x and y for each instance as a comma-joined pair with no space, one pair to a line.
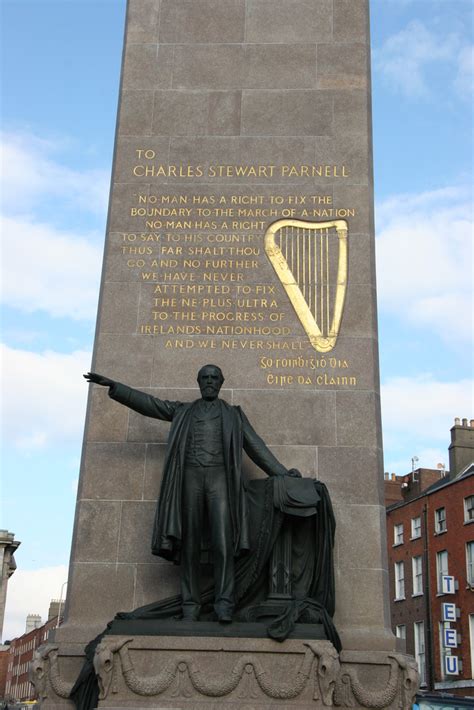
240,232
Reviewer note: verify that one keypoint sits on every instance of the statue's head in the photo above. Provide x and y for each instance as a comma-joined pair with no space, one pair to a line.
210,379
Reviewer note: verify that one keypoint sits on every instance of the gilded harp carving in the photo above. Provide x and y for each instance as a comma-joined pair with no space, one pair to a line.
310,260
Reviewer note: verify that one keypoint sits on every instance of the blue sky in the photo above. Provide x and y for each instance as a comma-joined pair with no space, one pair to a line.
60,72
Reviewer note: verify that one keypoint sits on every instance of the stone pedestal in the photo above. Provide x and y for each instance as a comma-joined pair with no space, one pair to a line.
195,673
234,115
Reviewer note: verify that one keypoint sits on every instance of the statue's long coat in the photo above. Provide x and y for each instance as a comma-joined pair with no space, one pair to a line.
237,434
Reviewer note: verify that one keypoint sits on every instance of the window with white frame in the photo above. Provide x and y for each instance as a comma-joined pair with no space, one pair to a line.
440,520
415,527
469,509
419,633
470,562
471,642
401,631
443,651
441,568
398,534
417,571
399,580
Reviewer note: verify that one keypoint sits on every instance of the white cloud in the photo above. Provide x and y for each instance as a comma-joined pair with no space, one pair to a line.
50,270
43,397
29,173
424,260
405,56
417,415
46,268
422,409
30,592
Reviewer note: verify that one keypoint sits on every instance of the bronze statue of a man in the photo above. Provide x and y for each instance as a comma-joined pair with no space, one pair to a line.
202,472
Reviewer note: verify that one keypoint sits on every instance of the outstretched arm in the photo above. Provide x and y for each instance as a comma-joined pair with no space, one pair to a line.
140,402
255,447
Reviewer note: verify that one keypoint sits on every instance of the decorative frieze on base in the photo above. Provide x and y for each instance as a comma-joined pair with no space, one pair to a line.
165,672
45,674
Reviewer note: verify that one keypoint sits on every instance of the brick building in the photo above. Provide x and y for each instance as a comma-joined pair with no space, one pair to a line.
4,656
430,532
18,686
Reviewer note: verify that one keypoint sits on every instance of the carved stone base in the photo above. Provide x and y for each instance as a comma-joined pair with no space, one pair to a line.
200,673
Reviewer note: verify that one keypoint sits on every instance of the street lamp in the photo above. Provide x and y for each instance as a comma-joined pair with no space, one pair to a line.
60,602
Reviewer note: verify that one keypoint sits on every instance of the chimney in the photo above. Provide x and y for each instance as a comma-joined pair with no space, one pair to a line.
461,449
33,621
54,608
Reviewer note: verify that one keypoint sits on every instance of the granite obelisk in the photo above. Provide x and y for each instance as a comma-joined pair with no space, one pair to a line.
240,232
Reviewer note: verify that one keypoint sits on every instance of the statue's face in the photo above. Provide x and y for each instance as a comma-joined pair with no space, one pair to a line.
210,382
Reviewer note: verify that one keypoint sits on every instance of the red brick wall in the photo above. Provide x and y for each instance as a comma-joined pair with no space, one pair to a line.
458,533
454,541
20,656
413,608
4,655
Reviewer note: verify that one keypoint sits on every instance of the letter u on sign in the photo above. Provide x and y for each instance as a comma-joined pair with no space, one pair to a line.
451,665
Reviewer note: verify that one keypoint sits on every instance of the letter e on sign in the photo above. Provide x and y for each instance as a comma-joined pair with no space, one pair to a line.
451,665
448,584
450,638
449,612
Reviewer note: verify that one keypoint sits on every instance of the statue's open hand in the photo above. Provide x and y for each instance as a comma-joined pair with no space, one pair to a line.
98,379
294,473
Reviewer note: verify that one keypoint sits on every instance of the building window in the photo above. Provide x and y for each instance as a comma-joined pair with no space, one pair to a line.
441,568
471,641
399,580
398,534
443,651
417,570
469,509
401,631
440,520
470,562
415,528
419,632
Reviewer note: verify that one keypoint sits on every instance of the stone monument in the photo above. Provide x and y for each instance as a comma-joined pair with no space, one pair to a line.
240,232
8,546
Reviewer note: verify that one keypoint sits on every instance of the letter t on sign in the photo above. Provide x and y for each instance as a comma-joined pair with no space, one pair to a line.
448,584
